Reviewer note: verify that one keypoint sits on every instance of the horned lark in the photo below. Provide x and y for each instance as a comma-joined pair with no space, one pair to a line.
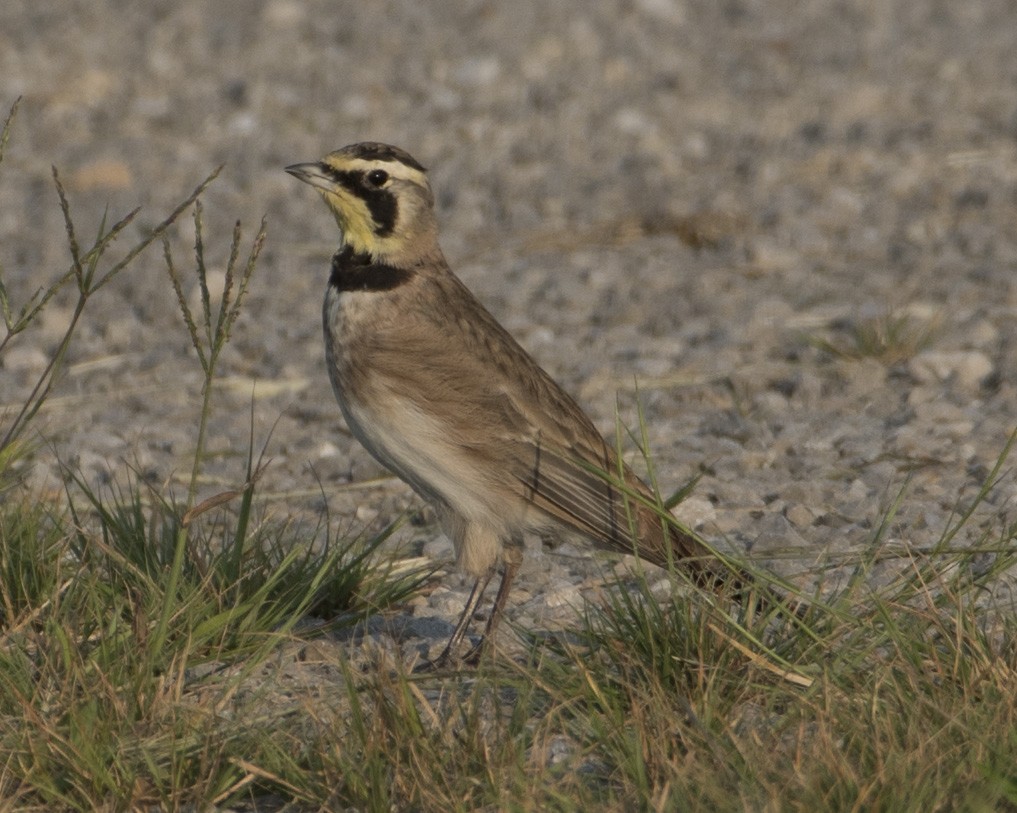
442,395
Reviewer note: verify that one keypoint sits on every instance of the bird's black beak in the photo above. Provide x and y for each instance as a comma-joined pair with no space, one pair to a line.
313,173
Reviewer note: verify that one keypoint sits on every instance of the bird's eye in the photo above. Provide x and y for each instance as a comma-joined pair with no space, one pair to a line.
377,177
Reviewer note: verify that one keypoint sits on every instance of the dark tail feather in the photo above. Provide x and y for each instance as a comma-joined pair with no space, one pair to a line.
683,550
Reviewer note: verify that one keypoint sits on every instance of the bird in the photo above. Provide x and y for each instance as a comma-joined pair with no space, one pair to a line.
433,386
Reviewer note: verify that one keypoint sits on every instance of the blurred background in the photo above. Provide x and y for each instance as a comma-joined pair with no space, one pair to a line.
709,201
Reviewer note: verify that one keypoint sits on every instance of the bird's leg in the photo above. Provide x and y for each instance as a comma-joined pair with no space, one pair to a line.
508,574
447,656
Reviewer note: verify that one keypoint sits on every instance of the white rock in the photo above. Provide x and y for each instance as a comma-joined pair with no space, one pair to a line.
23,358
569,595
669,10
858,490
800,516
327,449
968,368
438,548
478,71
366,514
695,512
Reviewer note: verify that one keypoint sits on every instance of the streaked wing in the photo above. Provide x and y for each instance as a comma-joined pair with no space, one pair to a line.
505,411
576,492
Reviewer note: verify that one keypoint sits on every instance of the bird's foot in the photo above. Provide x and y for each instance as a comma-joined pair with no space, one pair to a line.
449,660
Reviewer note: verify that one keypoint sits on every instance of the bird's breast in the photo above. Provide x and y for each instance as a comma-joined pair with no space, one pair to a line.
391,422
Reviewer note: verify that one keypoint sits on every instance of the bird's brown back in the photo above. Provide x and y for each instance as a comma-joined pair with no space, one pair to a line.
502,408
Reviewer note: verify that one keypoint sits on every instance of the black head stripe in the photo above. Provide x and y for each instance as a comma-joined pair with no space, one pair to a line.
380,202
384,208
375,151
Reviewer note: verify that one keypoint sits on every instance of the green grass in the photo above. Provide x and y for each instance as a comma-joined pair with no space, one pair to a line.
890,338
129,622
154,653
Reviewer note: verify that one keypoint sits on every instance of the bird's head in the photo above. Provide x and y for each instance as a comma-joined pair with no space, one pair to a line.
381,199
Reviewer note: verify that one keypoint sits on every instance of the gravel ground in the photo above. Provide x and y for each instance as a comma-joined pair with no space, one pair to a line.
688,198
